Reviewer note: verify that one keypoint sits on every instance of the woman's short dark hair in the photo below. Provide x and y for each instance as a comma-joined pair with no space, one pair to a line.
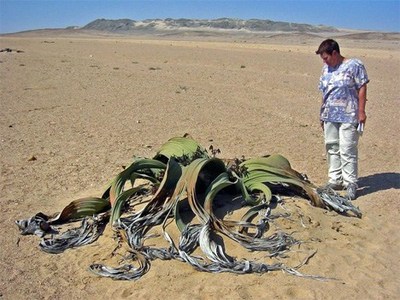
328,46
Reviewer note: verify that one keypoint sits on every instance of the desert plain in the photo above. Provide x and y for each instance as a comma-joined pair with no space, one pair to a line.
75,109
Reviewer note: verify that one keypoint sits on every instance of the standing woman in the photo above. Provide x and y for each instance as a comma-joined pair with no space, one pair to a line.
343,84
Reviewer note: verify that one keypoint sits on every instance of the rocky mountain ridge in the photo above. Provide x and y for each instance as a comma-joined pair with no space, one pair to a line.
251,25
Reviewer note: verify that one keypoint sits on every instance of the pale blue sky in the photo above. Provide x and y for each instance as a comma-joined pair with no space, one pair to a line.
380,15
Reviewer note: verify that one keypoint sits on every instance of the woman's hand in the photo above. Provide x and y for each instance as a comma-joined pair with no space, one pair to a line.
362,117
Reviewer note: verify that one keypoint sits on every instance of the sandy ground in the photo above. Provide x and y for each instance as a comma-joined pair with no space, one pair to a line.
74,110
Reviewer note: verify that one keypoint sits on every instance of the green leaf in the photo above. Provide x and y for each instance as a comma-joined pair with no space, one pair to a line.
276,169
222,181
264,189
141,165
199,176
81,208
167,186
179,147
120,201
275,163
178,196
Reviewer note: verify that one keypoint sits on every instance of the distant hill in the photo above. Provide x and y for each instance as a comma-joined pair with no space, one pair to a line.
213,29
164,25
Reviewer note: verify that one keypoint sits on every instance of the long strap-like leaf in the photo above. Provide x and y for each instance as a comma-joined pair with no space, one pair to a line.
180,147
142,164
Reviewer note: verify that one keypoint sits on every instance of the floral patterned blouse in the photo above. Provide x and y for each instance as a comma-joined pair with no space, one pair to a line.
340,86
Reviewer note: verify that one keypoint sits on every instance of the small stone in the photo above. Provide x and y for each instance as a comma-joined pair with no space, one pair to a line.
33,158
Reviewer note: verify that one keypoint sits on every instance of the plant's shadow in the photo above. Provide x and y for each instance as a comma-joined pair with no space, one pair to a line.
378,182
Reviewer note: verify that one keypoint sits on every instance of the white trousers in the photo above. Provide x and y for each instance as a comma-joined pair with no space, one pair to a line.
341,143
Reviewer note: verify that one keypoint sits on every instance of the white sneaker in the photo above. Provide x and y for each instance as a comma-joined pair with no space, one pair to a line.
352,191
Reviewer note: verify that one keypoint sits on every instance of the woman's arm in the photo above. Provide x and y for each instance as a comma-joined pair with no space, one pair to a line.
362,99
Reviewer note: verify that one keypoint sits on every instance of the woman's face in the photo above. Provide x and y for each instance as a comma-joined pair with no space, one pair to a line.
330,59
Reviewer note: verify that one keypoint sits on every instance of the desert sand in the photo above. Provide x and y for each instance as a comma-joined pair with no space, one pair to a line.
76,109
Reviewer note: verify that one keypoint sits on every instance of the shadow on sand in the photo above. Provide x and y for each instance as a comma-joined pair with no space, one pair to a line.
378,182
